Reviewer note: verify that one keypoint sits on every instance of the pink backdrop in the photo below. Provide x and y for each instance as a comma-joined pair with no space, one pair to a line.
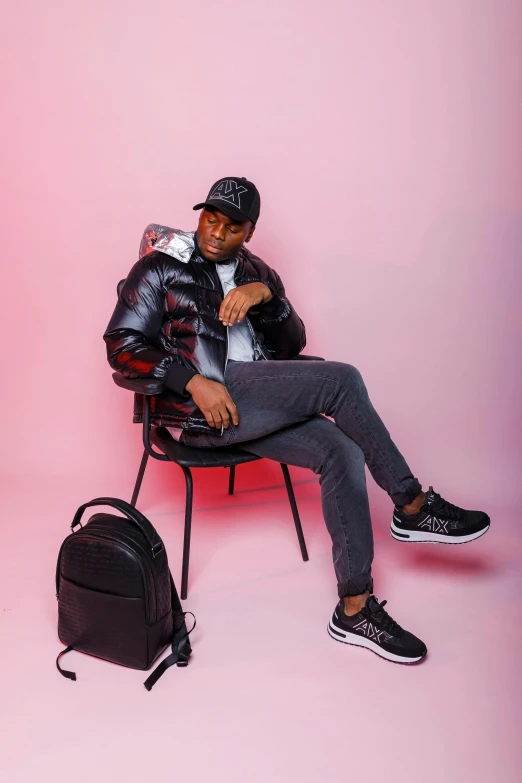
384,138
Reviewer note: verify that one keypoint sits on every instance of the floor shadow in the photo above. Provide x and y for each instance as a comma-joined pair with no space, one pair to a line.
222,506
450,562
276,486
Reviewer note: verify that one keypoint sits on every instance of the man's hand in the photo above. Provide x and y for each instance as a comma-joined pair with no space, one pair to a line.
239,300
213,400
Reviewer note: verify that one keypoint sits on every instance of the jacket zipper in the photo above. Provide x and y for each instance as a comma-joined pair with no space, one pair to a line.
257,346
226,360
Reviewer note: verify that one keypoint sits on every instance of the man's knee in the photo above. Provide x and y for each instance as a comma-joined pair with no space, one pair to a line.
347,372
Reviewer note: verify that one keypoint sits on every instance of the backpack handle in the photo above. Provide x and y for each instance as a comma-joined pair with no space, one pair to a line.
132,514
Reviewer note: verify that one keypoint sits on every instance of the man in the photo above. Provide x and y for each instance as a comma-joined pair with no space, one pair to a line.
213,321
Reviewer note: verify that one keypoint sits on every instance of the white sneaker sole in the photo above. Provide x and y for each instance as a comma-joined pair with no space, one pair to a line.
425,537
361,641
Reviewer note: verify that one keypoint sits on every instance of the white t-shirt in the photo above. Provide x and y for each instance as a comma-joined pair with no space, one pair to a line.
240,345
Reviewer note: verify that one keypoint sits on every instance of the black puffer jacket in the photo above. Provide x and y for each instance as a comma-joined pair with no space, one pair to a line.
165,324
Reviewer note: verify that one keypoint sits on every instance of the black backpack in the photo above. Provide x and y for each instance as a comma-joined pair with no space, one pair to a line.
116,596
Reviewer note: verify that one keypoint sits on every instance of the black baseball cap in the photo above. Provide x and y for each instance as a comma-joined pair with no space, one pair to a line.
236,197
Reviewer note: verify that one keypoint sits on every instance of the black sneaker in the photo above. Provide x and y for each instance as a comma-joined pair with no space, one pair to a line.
374,629
438,522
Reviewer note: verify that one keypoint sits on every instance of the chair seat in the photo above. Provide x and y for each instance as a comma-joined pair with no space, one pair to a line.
191,457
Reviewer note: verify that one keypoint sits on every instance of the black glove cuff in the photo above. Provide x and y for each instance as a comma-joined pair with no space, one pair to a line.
177,377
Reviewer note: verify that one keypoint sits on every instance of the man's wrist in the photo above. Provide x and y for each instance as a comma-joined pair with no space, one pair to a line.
268,296
189,386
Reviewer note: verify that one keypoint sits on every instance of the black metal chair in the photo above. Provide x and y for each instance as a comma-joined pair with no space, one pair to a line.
188,457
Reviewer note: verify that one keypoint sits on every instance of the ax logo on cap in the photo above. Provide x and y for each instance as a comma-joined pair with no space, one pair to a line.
228,190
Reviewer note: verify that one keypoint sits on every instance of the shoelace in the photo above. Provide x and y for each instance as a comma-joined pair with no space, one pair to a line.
382,616
444,507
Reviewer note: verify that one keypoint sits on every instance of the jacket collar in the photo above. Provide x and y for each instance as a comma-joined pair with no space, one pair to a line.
178,244
175,243
171,241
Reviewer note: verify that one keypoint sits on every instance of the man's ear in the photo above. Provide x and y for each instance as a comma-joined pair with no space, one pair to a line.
249,235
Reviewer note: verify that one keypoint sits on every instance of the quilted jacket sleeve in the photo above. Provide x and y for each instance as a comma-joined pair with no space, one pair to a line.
283,331
133,336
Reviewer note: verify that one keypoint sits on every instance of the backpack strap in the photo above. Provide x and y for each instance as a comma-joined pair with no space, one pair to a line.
132,514
181,648
64,672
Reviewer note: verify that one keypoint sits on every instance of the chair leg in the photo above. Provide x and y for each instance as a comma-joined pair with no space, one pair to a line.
295,512
231,479
139,479
186,537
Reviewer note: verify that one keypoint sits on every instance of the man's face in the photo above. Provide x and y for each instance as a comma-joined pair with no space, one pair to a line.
219,237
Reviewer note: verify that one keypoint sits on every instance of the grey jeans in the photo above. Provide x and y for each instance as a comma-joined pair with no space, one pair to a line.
282,407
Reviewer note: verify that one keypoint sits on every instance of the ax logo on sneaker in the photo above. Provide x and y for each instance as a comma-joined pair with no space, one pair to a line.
372,632
229,190
434,524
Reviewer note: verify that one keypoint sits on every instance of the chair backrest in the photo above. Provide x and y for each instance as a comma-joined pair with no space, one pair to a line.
119,287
